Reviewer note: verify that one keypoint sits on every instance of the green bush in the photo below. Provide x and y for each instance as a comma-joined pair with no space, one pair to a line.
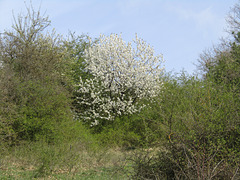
34,91
120,134
41,110
133,131
201,126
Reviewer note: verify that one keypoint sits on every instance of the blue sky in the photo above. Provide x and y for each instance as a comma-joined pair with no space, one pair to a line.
178,29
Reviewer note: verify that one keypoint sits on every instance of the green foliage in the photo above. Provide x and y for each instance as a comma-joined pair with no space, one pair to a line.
121,133
76,46
133,131
34,97
201,126
74,56
193,125
225,68
221,64
41,110
42,159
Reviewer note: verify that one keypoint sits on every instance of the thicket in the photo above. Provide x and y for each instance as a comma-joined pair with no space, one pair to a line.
189,128
200,123
34,95
199,119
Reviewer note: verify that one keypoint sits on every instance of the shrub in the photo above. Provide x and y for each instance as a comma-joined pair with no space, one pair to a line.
34,97
201,129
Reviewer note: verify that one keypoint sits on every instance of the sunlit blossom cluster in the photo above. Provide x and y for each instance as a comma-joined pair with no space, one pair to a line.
122,74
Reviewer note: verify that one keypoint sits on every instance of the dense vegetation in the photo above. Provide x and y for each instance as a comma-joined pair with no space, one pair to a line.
186,127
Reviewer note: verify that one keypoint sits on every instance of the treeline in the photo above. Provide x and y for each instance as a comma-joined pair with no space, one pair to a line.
54,89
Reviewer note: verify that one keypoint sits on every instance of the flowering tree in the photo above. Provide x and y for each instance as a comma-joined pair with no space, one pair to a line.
122,74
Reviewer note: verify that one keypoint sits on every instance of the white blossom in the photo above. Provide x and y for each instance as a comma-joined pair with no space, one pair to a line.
123,73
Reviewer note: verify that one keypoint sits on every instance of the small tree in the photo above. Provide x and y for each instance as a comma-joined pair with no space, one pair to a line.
221,63
122,75
33,93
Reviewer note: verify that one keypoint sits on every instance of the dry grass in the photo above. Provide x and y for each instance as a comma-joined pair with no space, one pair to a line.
42,161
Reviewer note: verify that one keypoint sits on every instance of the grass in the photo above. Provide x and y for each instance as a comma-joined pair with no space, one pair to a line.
62,161
15,172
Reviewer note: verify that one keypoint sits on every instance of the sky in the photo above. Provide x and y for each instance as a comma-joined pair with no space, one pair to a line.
179,29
